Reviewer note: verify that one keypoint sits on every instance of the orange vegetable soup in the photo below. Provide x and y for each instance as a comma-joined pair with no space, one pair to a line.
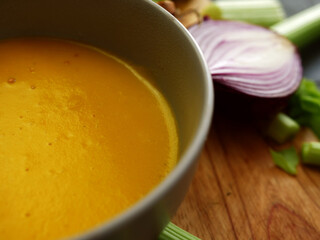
83,136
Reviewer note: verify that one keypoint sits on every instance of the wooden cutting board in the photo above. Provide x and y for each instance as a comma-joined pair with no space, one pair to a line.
237,191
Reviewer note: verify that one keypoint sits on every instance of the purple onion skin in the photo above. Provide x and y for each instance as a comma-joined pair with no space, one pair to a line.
242,100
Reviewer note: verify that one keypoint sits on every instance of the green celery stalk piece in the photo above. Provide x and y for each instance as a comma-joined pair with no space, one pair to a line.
282,128
173,232
286,159
311,153
259,12
301,28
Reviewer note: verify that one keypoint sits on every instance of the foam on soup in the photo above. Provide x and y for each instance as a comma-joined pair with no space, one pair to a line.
83,136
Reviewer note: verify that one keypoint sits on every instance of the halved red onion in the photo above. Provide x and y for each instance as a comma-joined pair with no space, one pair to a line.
249,58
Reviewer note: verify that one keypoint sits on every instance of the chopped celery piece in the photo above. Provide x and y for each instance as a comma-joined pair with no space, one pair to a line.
311,153
172,232
259,12
301,28
304,105
282,128
286,159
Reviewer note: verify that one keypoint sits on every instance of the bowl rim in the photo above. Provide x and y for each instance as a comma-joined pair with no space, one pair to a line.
187,158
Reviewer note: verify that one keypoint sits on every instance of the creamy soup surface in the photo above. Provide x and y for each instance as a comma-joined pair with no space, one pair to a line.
82,137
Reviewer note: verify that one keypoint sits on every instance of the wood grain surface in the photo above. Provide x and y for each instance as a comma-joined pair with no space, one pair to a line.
238,192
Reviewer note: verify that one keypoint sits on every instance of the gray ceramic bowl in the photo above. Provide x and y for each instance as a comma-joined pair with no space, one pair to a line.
140,32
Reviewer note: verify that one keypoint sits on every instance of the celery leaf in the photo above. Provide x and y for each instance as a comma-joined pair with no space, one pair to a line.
286,159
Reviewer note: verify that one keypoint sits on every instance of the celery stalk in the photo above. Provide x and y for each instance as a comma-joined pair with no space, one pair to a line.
301,28
311,153
282,128
259,12
172,232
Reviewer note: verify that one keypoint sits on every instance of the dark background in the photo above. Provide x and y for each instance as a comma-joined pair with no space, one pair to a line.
311,54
